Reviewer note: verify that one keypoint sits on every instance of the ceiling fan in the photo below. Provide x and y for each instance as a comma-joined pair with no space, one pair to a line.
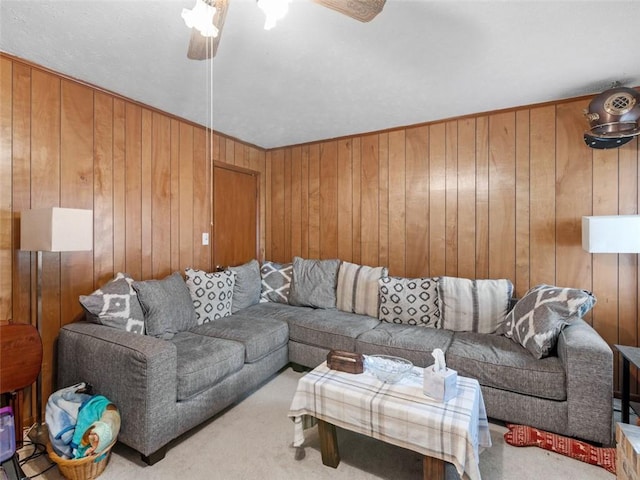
202,47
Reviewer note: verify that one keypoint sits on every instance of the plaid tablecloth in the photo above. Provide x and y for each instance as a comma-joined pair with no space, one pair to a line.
400,414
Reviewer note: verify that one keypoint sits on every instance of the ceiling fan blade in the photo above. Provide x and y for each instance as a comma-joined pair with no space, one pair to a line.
363,10
202,48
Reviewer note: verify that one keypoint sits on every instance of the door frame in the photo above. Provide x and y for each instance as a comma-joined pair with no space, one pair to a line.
247,171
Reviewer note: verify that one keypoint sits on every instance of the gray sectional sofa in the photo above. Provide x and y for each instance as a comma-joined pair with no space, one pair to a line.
165,387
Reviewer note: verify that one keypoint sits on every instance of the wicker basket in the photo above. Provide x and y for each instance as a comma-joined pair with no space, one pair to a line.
86,468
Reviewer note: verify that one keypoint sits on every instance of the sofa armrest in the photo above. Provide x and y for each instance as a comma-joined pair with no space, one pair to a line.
136,372
588,363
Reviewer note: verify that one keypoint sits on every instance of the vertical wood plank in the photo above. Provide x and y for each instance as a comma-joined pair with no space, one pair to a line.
103,201
369,200
451,198
482,197
404,227
345,201
119,186
200,201
76,177
466,217
329,199
542,194
174,191
296,201
502,196
521,280
304,204
356,170
437,199
415,192
287,204
21,191
6,223
314,201
186,195
146,194
163,203
277,207
383,199
133,196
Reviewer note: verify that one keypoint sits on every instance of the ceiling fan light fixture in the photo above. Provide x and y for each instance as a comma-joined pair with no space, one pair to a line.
201,18
274,10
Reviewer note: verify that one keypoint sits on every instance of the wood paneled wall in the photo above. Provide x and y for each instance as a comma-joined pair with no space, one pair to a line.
146,175
497,195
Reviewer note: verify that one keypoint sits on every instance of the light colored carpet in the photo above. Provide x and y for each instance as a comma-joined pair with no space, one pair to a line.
252,440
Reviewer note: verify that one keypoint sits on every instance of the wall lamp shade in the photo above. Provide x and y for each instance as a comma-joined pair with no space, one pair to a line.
56,230
611,234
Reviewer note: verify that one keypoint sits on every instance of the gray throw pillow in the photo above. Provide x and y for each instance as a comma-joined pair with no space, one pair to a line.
115,304
246,291
538,318
212,294
409,301
276,282
167,306
314,283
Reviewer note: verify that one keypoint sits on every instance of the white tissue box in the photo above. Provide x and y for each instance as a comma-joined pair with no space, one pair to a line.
441,386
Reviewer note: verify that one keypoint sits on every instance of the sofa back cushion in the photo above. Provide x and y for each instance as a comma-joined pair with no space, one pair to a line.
473,305
538,318
167,306
358,289
115,304
412,301
211,293
314,283
276,282
247,287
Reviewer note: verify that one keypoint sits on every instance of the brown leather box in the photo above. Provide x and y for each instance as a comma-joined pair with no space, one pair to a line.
345,361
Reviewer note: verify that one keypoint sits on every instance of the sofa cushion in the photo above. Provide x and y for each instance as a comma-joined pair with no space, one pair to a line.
406,341
314,283
473,305
275,282
167,306
260,336
537,319
331,329
358,289
211,293
203,361
498,362
247,286
115,304
412,301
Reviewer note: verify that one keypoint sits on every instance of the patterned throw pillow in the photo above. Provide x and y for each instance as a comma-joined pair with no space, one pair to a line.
115,305
212,293
473,305
358,290
167,306
276,282
314,283
412,301
538,318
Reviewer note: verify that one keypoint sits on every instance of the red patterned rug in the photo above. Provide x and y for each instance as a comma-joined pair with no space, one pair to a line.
523,436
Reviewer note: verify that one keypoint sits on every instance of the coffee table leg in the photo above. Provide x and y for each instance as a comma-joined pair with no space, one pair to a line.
328,444
433,468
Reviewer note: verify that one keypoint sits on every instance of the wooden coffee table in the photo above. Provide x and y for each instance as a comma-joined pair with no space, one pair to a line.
398,414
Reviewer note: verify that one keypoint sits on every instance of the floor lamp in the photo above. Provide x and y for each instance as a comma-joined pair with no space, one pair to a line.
614,234
52,229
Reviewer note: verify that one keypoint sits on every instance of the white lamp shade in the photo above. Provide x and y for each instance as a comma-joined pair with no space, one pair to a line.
611,234
56,230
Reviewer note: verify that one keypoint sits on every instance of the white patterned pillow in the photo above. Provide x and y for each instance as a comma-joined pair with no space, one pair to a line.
358,290
276,282
115,304
538,318
412,301
473,305
212,293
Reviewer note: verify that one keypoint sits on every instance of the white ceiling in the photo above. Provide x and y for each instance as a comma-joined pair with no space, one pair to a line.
319,74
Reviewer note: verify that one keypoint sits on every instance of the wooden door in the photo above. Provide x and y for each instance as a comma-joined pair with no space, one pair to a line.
235,215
